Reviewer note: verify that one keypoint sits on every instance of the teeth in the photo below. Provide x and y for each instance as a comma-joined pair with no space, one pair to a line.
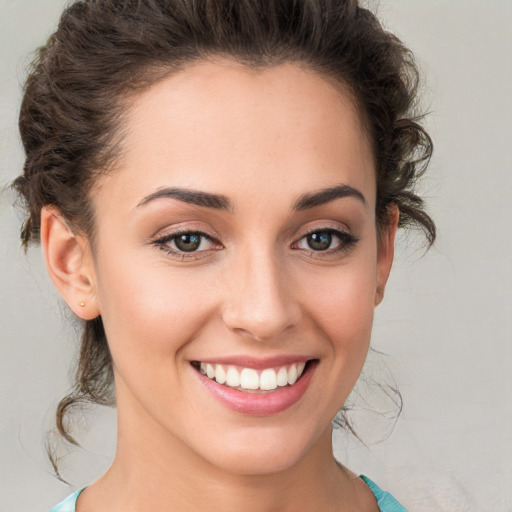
233,378
220,374
292,374
282,377
251,379
268,380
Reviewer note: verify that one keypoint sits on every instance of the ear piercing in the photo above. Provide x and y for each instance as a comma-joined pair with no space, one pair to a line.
82,304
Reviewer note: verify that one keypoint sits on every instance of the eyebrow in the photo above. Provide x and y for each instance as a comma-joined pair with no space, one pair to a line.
206,199
221,202
326,195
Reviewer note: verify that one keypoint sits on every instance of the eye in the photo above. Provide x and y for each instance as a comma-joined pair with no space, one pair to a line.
188,242
185,244
319,241
326,240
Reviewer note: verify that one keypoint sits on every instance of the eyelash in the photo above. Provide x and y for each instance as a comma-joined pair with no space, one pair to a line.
162,242
346,242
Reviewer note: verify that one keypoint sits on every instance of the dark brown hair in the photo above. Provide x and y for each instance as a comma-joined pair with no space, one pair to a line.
104,51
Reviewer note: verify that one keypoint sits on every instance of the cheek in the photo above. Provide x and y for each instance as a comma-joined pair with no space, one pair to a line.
148,311
341,306
346,321
343,301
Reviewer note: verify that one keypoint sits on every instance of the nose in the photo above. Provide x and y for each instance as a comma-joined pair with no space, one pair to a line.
260,300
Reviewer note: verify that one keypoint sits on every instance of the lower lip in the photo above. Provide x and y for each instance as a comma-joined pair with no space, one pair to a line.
260,404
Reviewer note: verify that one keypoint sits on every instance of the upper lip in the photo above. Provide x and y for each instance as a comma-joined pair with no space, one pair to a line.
257,363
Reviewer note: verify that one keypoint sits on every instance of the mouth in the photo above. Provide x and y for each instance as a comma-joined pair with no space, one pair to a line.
256,389
251,380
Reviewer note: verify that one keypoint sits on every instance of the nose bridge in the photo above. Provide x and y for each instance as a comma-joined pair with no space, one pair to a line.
260,301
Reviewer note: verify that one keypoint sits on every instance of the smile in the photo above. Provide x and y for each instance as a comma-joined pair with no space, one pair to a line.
250,379
256,387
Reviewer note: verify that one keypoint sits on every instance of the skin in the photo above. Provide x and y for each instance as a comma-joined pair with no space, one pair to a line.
261,139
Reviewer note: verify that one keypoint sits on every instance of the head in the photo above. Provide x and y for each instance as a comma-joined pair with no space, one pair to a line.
130,98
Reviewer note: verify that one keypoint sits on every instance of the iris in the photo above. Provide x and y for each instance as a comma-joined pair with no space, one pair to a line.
188,242
319,241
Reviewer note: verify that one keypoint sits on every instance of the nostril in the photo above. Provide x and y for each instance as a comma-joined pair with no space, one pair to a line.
263,310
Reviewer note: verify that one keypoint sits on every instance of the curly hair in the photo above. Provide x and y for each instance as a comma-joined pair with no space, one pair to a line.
105,51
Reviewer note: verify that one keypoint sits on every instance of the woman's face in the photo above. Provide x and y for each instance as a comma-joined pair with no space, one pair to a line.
238,239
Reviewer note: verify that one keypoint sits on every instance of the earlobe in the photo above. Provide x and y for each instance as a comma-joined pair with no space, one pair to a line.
69,262
386,251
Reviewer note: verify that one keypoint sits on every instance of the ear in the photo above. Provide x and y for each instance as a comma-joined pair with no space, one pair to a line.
70,264
386,251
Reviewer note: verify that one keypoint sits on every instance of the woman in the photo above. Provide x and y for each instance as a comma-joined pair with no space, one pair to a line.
217,186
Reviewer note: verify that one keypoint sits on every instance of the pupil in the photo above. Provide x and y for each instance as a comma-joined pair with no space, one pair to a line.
319,241
188,243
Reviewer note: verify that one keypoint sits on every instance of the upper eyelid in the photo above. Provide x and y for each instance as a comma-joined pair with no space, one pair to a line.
325,228
186,230
172,233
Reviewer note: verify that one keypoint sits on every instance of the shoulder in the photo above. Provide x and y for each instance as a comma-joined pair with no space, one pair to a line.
67,505
385,500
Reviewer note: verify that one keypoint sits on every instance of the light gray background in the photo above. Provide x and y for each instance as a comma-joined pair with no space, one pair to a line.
445,323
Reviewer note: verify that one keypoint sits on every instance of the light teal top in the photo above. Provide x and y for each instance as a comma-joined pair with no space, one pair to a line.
386,502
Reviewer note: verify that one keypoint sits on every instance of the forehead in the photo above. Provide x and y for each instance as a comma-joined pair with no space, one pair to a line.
220,127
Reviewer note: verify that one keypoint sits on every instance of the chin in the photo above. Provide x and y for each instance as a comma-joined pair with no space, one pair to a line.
265,451
258,462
